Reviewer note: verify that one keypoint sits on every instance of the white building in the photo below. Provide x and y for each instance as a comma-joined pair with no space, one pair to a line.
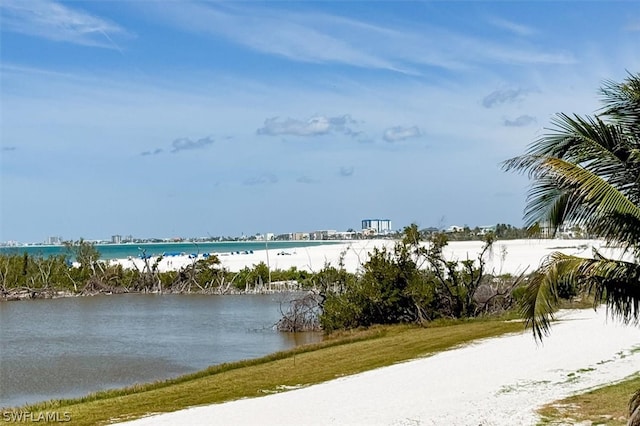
455,228
380,226
54,241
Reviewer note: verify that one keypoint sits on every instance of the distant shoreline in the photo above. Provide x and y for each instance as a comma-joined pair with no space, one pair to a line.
119,251
506,257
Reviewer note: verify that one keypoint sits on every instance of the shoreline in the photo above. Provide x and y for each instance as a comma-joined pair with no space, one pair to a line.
22,295
124,250
505,257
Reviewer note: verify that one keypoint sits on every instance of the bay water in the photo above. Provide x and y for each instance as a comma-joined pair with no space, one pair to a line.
69,347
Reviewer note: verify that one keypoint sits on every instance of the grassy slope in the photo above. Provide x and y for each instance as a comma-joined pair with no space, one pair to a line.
603,406
344,354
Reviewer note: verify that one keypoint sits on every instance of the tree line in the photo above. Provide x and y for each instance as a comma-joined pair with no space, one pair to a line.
81,271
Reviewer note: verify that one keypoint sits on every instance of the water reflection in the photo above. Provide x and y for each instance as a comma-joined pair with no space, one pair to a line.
69,347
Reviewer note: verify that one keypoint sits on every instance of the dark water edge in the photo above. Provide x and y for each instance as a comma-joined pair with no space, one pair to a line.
69,347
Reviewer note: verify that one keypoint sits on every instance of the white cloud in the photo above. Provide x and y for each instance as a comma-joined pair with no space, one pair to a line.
264,179
295,36
502,96
154,152
399,133
520,121
346,171
317,37
518,29
306,179
315,126
183,144
54,21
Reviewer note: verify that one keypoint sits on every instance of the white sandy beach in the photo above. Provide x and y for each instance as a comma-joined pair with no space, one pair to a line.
508,256
498,381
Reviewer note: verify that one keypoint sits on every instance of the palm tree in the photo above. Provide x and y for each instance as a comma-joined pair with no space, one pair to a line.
586,171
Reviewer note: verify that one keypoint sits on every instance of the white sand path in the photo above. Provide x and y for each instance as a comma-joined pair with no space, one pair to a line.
497,381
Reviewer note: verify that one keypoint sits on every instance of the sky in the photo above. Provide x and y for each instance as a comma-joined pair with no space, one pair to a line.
192,118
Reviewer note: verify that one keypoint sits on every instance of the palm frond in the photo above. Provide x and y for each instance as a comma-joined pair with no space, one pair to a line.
622,102
615,283
564,192
618,228
595,194
586,171
602,148
541,297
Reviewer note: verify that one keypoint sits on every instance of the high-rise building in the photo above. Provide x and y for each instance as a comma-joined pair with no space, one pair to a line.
54,241
381,226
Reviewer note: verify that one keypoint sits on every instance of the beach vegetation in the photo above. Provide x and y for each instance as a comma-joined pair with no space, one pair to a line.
585,172
80,271
414,283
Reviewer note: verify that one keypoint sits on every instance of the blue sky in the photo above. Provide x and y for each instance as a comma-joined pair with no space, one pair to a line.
189,118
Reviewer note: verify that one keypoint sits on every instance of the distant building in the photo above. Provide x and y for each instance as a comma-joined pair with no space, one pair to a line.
484,230
299,236
346,235
323,235
54,241
116,239
380,226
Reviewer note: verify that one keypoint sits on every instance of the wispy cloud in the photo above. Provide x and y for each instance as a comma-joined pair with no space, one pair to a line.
8,148
55,21
315,126
322,38
502,96
185,144
154,152
520,121
306,180
295,36
633,26
264,179
346,171
513,27
399,133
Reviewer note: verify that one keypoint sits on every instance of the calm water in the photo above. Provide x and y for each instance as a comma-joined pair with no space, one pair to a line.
69,347
122,251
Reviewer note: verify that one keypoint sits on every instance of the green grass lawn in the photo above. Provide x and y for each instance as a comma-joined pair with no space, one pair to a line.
602,406
341,354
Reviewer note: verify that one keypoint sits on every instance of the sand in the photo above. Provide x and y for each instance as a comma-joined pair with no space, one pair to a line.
497,381
508,256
